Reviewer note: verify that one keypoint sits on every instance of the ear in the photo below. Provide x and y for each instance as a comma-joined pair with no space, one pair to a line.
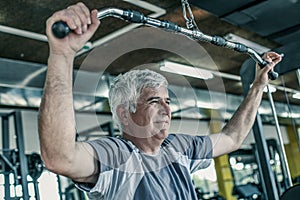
123,114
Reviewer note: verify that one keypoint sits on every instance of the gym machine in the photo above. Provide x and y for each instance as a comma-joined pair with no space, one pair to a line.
248,183
15,162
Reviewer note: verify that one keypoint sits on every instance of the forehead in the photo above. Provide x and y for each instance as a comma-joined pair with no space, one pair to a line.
161,91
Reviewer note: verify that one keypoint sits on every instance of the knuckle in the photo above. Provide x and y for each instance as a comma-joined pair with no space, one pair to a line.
56,14
77,21
80,4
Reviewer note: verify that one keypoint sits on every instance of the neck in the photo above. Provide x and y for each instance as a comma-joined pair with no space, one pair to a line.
146,145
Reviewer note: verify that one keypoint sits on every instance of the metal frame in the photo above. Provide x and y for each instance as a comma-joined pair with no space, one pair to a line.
5,146
23,167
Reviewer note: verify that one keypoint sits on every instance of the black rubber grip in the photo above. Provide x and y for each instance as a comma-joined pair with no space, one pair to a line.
272,75
60,29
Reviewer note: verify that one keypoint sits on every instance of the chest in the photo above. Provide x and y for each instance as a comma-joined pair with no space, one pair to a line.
170,182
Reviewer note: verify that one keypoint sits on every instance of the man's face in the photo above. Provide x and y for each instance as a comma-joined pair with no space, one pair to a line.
153,114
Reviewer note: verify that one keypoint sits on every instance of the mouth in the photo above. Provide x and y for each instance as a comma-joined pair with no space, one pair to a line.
163,124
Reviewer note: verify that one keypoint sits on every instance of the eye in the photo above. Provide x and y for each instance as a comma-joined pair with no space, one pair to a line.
154,101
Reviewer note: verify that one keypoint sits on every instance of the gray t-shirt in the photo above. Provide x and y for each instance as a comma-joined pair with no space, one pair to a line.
128,174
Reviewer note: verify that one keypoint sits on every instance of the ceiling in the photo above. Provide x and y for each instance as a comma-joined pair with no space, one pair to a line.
119,46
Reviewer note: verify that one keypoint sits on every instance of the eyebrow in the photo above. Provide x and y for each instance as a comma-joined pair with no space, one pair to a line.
157,98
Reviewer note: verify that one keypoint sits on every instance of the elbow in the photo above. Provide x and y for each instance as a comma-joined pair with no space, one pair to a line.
55,165
50,163
236,139
236,143
235,147
233,144
50,166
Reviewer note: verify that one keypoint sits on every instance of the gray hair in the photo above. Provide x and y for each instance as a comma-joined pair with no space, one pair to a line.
126,89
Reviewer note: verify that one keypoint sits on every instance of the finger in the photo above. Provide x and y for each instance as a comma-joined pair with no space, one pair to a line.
79,17
68,16
272,57
267,56
59,16
276,59
93,26
74,21
83,14
86,13
94,17
94,22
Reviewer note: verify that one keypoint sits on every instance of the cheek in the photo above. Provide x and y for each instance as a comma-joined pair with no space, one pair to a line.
141,118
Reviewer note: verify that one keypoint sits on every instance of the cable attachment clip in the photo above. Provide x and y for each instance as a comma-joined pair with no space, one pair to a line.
189,17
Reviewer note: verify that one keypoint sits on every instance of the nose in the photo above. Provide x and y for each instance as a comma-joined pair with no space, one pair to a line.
165,108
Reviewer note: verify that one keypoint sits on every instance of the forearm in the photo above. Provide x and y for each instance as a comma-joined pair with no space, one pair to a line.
242,121
236,130
56,114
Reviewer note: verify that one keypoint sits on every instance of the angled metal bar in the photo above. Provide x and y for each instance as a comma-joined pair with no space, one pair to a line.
21,152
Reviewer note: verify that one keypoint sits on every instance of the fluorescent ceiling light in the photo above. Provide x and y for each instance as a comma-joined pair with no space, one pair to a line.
296,96
257,47
186,70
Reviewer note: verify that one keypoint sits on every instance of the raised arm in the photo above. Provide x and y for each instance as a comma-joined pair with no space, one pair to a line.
236,130
56,121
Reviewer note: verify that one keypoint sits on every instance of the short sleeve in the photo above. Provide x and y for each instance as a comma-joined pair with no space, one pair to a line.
198,149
